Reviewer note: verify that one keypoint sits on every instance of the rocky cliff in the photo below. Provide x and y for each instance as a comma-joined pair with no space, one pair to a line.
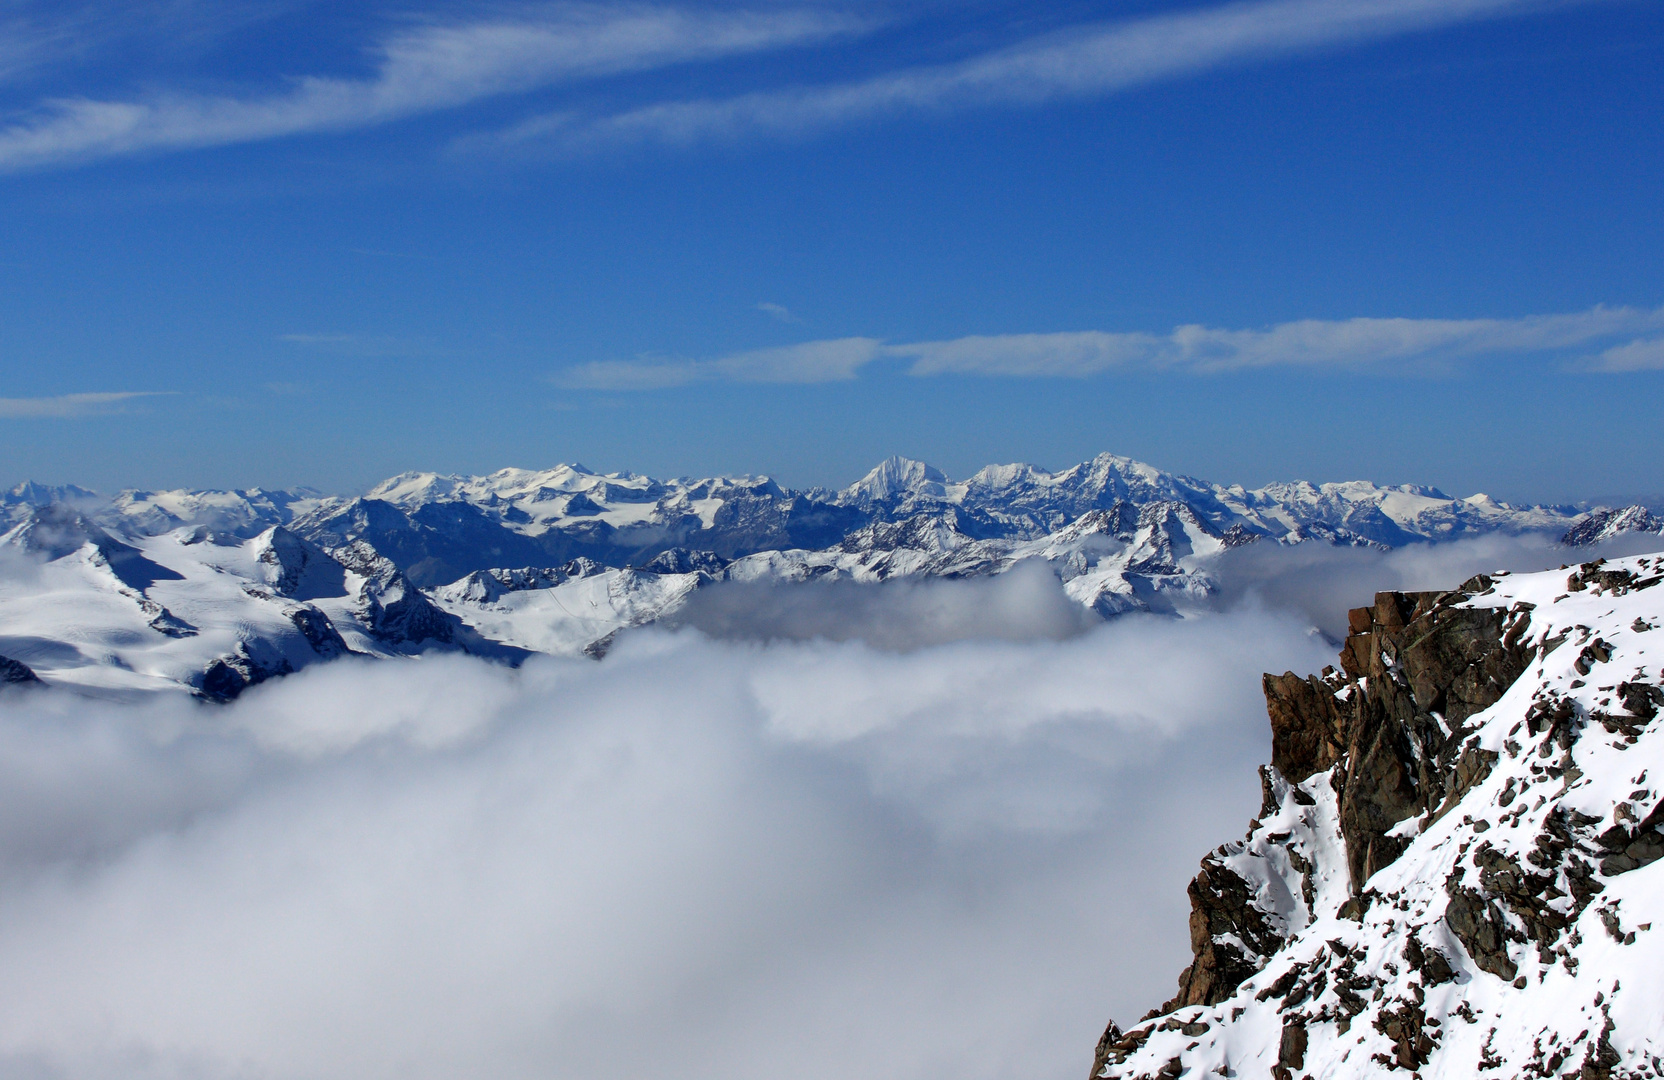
1451,873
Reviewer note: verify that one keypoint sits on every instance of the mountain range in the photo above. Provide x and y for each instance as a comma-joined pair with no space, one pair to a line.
213,591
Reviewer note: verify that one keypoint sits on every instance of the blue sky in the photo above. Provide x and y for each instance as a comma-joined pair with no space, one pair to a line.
1403,240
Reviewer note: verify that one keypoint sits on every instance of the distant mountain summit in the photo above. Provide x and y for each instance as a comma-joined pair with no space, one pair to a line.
1605,524
892,479
16,503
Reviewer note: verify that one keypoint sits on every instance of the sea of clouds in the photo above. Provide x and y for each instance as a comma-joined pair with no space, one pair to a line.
918,831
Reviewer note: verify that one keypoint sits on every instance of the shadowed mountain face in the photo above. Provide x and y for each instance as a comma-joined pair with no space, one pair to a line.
15,673
1607,524
436,544
57,529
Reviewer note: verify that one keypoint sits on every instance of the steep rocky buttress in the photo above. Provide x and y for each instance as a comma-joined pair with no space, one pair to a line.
1452,873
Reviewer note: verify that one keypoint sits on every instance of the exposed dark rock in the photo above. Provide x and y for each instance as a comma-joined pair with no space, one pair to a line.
393,609
683,561
1306,725
1389,728
1641,699
299,569
1604,524
166,622
16,673
319,632
1114,1046
1106,1047
1434,965
1597,576
227,677
1425,666
1630,848
1406,1026
600,647
1221,906
1478,924
1291,1051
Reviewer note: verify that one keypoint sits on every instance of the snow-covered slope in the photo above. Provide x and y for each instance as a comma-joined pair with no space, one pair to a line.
1607,524
241,513
575,609
1111,561
195,610
1456,869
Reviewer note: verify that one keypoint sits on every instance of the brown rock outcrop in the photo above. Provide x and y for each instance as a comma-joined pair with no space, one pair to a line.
1221,914
1418,669
1389,728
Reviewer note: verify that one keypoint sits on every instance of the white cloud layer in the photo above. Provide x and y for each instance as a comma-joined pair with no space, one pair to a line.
896,833
1084,61
719,859
1395,346
420,70
71,405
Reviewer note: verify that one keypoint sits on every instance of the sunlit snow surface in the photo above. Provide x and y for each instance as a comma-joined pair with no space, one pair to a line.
1608,967
76,623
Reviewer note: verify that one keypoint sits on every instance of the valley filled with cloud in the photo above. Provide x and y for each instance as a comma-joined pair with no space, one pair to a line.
912,830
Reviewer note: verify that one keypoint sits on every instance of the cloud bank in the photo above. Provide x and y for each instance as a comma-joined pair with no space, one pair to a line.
904,615
727,858
1382,346
902,832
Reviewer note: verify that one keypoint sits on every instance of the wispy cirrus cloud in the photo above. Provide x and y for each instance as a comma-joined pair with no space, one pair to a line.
434,66
34,36
1084,61
420,70
1601,339
778,312
837,360
71,405
1640,355
1355,344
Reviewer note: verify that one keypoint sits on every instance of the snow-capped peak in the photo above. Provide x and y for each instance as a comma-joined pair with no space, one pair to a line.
1605,524
29,493
894,477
